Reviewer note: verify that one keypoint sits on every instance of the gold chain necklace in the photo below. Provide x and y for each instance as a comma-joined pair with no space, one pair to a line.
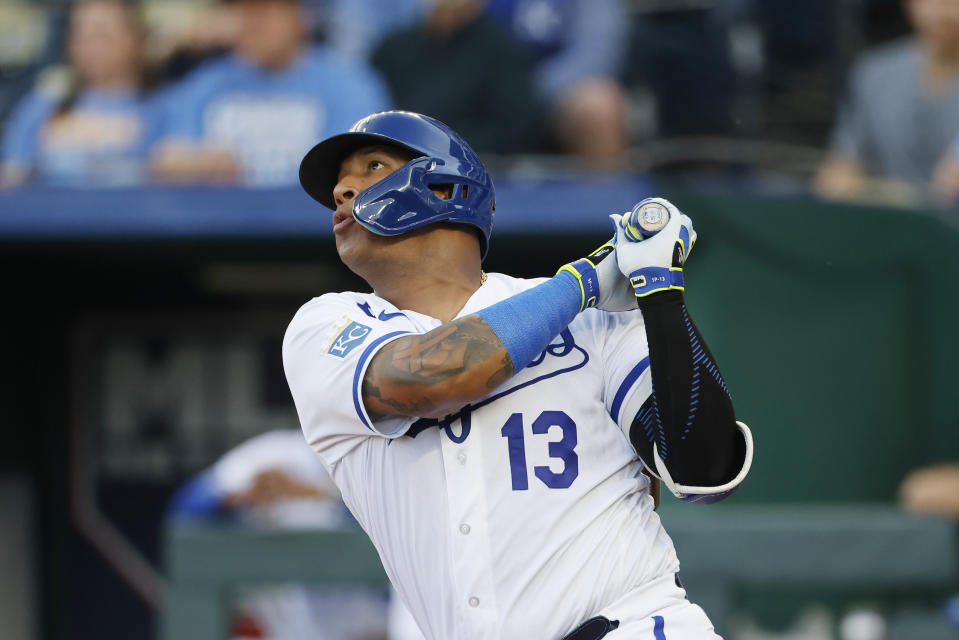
482,278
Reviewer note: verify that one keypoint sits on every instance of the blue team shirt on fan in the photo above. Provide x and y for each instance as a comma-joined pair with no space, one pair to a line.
270,119
102,140
574,39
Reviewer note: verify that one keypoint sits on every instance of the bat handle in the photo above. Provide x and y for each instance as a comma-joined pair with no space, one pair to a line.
645,220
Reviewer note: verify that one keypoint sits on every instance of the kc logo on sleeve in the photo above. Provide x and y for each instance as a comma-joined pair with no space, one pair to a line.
348,339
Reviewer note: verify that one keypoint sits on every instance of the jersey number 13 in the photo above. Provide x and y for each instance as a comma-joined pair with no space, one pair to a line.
562,450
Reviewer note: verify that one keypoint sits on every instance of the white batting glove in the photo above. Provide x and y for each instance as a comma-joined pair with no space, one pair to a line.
602,283
656,263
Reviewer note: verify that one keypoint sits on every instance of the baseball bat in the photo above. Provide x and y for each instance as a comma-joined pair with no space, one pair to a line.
645,220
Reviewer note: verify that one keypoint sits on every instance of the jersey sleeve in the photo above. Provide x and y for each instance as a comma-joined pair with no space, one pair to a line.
627,381
326,350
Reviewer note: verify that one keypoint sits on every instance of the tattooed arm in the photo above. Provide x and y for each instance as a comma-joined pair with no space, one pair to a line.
434,374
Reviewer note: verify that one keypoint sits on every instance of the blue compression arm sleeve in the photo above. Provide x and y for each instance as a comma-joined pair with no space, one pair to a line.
525,323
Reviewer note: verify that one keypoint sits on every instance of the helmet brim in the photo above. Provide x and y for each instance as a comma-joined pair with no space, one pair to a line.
319,171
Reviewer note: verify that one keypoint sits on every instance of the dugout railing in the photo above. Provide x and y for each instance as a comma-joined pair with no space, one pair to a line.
865,552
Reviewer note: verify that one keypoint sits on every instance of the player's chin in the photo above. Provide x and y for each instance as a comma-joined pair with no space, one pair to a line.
357,243
345,247
354,246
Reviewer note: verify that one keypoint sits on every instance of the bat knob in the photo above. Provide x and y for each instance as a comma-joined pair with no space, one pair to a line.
645,220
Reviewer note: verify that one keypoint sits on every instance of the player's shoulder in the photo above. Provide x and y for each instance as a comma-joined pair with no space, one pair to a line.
330,305
334,298
497,287
501,283
335,322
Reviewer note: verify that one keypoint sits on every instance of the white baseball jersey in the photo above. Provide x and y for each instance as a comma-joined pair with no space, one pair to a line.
521,516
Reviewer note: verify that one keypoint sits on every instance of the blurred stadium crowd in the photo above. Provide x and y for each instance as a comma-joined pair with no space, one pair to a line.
108,92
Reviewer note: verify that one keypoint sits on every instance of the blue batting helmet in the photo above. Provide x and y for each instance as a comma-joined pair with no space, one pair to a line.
403,200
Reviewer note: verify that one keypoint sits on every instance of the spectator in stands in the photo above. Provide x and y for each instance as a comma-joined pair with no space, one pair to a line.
355,27
184,35
945,180
681,51
580,45
250,116
92,125
274,480
932,490
902,108
469,71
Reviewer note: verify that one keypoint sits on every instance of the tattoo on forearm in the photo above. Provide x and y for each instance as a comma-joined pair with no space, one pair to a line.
426,353
404,377
502,374
371,391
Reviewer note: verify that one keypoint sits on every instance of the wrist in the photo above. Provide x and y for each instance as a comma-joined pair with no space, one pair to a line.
660,301
653,280
585,279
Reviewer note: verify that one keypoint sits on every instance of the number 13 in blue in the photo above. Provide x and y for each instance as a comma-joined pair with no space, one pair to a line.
562,450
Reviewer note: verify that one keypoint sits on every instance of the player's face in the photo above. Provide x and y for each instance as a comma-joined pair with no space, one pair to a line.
361,169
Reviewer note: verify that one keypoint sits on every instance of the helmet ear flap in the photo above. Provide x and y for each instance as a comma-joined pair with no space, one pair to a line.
402,201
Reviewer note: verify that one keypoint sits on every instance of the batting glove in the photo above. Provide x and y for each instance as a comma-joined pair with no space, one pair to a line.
602,284
656,263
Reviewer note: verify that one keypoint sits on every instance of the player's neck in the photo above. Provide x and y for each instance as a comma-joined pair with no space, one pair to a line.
435,276
439,294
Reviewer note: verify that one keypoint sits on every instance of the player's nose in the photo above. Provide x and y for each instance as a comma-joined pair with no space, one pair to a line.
344,191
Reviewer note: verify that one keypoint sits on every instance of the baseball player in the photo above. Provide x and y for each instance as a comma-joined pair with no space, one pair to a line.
489,432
